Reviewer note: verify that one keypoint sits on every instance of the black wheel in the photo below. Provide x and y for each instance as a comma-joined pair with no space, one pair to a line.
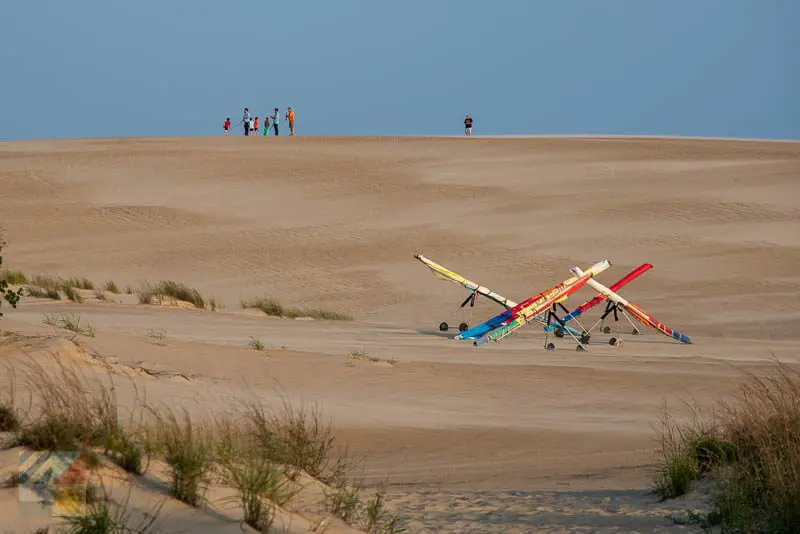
580,348
635,332
606,329
585,338
612,341
443,326
559,332
550,346
463,327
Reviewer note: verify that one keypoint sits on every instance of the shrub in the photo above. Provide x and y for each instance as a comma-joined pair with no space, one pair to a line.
11,297
9,420
255,344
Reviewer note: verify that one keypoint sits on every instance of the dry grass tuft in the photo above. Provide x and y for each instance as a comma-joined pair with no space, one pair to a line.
750,452
149,293
274,308
13,277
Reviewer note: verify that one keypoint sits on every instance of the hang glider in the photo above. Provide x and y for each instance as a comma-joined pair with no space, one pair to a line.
531,309
591,303
474,288
617,304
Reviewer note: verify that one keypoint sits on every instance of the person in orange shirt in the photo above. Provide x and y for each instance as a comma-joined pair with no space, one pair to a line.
255,125
290,118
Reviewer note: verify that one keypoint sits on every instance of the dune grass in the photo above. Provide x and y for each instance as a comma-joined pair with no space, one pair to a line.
112,287
750,452
255,344
43,286
273,307
40,293
69,322
13,277
258,450
148,293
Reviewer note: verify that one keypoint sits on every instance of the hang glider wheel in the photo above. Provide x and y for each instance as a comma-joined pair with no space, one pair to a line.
558,332
580,348
606,329
550,346
443,326
463,327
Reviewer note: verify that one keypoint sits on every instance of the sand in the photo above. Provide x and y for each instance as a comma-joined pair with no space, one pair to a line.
506,437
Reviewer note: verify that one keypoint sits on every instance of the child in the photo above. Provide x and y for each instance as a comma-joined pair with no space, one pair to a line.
266,125
227,126
255,125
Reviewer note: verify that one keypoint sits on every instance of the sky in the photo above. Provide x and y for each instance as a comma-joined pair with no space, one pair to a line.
107,68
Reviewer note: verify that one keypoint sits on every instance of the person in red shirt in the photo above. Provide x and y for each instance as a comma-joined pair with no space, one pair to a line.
255,125
227,126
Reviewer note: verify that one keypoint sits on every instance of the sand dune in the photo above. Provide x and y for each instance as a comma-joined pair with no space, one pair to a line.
334,223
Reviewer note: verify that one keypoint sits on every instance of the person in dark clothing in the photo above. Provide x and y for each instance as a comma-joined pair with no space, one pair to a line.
468,125
276,119
246,121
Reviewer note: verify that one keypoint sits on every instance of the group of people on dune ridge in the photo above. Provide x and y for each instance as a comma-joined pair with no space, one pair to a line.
271,123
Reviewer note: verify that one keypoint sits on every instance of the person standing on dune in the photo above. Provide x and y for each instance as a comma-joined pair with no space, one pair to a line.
468,125
290,119
226,126
246,121
276,119
255,126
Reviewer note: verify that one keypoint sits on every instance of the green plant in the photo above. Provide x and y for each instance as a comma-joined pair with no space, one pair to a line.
101,515
296,437
14,278
79,283
260,485
255,344
123,450
272,307
343,501
10,296
73,412
38,292
69,322
9,420
169,288
377,519
112,287
72,293
188,453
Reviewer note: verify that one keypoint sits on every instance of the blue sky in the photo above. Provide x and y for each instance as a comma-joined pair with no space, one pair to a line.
98,68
